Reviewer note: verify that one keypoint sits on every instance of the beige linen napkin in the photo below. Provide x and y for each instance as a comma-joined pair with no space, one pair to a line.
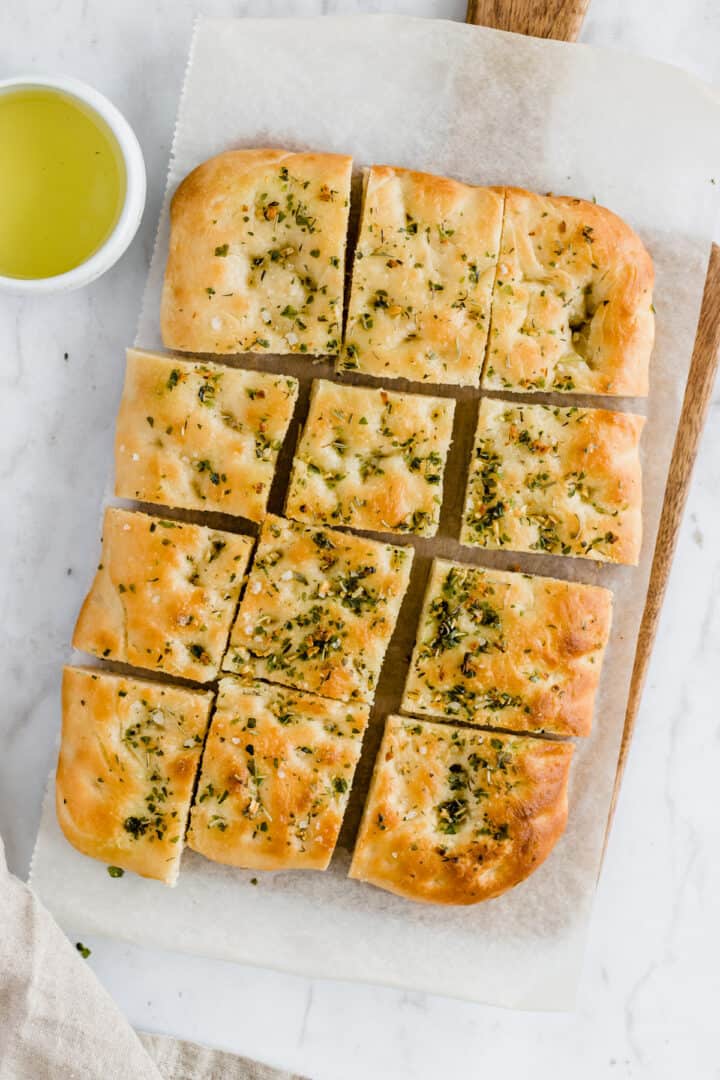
58,1023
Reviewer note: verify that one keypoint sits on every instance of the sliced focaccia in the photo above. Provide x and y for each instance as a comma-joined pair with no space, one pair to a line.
508,650
319,610
456,816
164,595
371,459
257,254
422,278
200,436
276,777
572,303
566,481
129,754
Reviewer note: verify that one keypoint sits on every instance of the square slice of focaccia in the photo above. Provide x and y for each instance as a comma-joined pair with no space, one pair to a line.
456,816
129,753
371,459
200,436
164,595
257,254
276,777
508,650
566,481
422,278
319,610
572,303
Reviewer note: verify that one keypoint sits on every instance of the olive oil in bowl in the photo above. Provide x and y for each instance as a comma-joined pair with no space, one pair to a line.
62,182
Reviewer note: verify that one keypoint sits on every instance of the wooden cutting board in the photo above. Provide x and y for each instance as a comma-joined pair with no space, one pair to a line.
562,20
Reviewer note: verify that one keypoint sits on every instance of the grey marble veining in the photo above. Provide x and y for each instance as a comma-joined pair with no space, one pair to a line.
648,1000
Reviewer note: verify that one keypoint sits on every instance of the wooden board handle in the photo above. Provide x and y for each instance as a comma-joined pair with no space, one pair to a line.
698,393
560,19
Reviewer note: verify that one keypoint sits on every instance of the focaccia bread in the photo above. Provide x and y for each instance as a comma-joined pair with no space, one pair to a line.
371,459
276,777
508,650
257,254
456,816
566,481
164,595
319,610
422,278
129,754
572,304
200,436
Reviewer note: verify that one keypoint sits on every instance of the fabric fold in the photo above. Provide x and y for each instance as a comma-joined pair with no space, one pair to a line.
57,1022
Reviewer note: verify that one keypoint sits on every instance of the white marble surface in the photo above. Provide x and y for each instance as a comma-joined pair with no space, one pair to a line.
647,1005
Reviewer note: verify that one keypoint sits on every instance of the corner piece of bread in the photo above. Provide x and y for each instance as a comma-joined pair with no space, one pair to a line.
129,754
257,254
572,303
456,816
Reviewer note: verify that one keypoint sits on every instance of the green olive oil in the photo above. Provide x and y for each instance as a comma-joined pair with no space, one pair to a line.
62,182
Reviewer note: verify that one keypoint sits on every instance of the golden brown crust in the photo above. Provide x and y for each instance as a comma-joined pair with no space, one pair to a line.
508,650
319,610
422,278
164,595
200,436
456,816
566,481
129,754
371,459
276,777
257,250
572,302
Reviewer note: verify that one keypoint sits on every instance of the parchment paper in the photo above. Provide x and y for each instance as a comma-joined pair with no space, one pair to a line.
486,107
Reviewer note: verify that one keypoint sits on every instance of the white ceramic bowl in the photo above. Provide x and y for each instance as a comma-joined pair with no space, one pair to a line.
131,213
